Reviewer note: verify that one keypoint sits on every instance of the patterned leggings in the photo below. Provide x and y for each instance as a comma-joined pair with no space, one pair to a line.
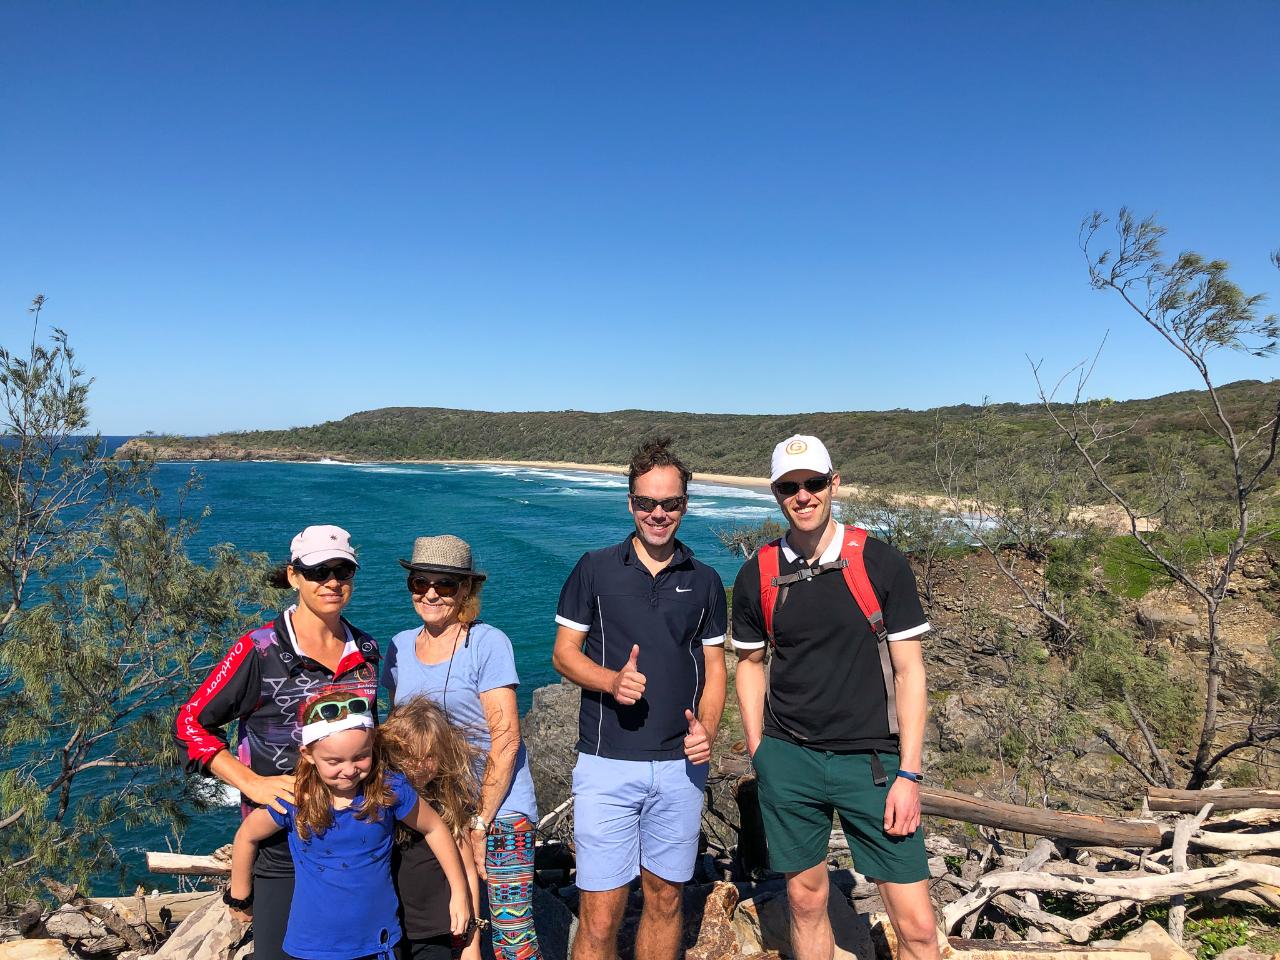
509,863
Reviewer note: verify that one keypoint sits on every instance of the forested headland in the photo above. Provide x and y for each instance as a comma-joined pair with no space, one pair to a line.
892,449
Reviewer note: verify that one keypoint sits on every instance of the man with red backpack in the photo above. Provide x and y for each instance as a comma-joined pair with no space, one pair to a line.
831,683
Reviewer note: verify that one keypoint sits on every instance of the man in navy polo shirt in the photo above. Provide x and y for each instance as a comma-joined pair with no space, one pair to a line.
641,630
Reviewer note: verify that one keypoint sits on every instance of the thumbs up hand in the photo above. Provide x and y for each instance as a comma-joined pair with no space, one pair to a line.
628,683
697,744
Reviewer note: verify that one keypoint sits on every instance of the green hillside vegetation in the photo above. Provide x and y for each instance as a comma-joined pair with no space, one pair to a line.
891,449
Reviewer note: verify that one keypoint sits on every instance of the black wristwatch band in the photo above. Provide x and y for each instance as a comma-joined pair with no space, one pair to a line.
231,901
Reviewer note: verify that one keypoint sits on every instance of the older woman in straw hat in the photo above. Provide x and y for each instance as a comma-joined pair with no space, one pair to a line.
468,667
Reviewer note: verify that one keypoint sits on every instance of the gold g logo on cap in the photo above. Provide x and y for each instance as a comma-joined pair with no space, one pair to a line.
797,447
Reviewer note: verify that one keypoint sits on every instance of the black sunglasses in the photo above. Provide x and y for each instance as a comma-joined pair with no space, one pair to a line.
649,504
445,588
332,709
342,571
789,488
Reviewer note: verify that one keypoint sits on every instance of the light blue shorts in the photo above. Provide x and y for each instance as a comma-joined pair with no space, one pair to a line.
629,814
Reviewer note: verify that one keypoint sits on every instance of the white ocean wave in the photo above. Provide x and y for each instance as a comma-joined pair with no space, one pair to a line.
388,468
218,793
583,477
728,493
728,512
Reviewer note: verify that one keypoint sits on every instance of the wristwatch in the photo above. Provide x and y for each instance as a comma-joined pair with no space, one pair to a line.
478,823
913,777
234,902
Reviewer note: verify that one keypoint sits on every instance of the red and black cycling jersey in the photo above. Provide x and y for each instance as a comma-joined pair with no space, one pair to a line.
263,682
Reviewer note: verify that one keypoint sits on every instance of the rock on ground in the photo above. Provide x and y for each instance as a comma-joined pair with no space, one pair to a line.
33,950
1154,939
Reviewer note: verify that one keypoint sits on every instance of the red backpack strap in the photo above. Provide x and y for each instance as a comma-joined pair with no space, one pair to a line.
855,576
767,555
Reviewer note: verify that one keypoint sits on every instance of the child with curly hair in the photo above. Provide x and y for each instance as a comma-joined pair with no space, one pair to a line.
341,830
419,741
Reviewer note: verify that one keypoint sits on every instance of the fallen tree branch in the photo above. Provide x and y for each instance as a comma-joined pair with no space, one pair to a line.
1143,888
1189,801
105,915
1181,838
1076,827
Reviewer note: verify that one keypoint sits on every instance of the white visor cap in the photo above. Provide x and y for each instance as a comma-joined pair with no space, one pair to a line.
318,544
799,452
319,729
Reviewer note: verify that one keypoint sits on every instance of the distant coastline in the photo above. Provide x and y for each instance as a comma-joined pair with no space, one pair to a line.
161,451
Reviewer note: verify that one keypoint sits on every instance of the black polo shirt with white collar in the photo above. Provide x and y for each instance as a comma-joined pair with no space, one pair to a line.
826,685
612,598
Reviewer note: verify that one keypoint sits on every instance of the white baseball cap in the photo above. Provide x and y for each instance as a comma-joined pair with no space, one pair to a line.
799,452
318,544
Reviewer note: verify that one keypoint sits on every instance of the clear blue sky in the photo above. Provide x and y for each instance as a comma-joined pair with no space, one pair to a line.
272,214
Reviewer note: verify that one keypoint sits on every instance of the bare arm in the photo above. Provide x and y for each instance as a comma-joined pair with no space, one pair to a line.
428,823
749,682
574,665
902,807
711,706
625,685
255,828
471,949
267,791
503,720
913,701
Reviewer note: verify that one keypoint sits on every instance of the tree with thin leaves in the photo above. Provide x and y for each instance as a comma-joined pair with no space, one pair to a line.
1195,525
104,619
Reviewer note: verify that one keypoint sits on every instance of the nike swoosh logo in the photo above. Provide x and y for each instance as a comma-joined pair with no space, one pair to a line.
684,590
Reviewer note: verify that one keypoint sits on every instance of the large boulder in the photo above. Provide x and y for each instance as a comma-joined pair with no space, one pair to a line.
550,731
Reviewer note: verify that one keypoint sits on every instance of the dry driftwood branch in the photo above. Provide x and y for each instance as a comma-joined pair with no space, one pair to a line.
1077,827
108,917
1235,842
1189,801
549,820
1142,888
160,862
1182,832
1072,929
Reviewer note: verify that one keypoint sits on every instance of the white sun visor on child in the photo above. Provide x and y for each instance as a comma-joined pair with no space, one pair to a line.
319,729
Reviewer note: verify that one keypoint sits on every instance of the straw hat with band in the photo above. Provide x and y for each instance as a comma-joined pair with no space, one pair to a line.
443,554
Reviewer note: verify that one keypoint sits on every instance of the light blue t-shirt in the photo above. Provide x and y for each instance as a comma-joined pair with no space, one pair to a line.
484,662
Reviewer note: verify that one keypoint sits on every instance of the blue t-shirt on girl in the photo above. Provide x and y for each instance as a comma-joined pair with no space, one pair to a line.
484,662
344,905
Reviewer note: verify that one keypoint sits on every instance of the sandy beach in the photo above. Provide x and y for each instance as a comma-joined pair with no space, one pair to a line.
751,483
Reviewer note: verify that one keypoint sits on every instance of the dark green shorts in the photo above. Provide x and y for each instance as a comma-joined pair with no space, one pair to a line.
801,788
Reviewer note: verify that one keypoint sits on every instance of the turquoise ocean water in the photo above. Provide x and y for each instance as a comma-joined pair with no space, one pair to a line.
527,528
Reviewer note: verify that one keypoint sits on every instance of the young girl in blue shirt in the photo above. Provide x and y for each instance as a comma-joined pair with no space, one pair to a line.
340,836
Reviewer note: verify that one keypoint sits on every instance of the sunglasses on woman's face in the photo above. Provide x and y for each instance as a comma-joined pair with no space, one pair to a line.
332,709
446,587
342,571
789,488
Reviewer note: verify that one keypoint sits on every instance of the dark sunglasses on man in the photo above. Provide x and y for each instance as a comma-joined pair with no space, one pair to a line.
649,504
446,587
789,488
342,571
